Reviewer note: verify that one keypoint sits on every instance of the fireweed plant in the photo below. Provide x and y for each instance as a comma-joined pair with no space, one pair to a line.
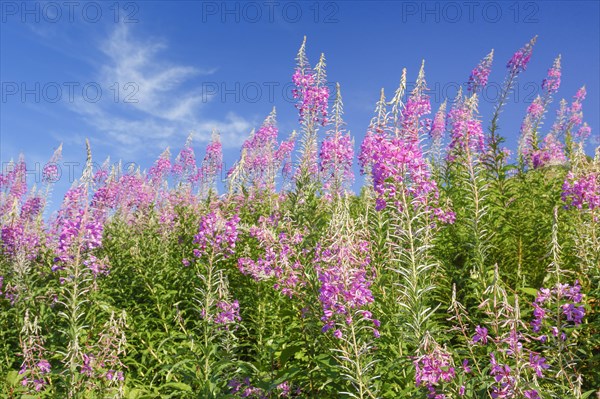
455,272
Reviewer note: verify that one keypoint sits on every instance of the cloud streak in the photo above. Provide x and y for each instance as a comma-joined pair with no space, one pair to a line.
150,103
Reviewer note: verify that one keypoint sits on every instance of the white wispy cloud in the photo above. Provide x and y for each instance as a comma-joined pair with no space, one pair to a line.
152,104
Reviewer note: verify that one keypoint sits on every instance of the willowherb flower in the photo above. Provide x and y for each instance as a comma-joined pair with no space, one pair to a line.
50,171
565,297
283,155
280,261
161,168
227,313
337,152
551,152
538,364
466,132
552,82
184,168
438,125
245,389
505,380
531,394
582,191
35,367
481,335
19,238
480,74
399,170
520,59
336,157
284,389
434,368
217,235
260,163
345,284
310,91
212,164
570,118
312,97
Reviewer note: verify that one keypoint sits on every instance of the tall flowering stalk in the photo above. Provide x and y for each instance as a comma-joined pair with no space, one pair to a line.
337,153
480,74
218,313
281,261
184,168
212,165
78,229
515,66
313,96
436,135
581,195
466,173
261,160
35,367
343,269
408,194
507,356
569,125
102,364
13,186
22,235
530,151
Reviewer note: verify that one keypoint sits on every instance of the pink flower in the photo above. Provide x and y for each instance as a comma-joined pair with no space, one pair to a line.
481,334
552,81
479,76
520,59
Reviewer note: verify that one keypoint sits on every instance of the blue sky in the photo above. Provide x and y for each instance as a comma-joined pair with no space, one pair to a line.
137,76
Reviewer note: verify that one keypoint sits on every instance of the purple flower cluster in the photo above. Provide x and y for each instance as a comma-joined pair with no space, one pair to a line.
345,279
399,168
260,162
582,191
479,76
35,374
216,235
184,167
551,152
466,131
161,168
432,369
337,155
20,238
312,96
94,367
481,335
438,125
504,379
568,298
520,59
78,230
280,260
13,185
552,81
227,313
245,389
569,119
212,163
